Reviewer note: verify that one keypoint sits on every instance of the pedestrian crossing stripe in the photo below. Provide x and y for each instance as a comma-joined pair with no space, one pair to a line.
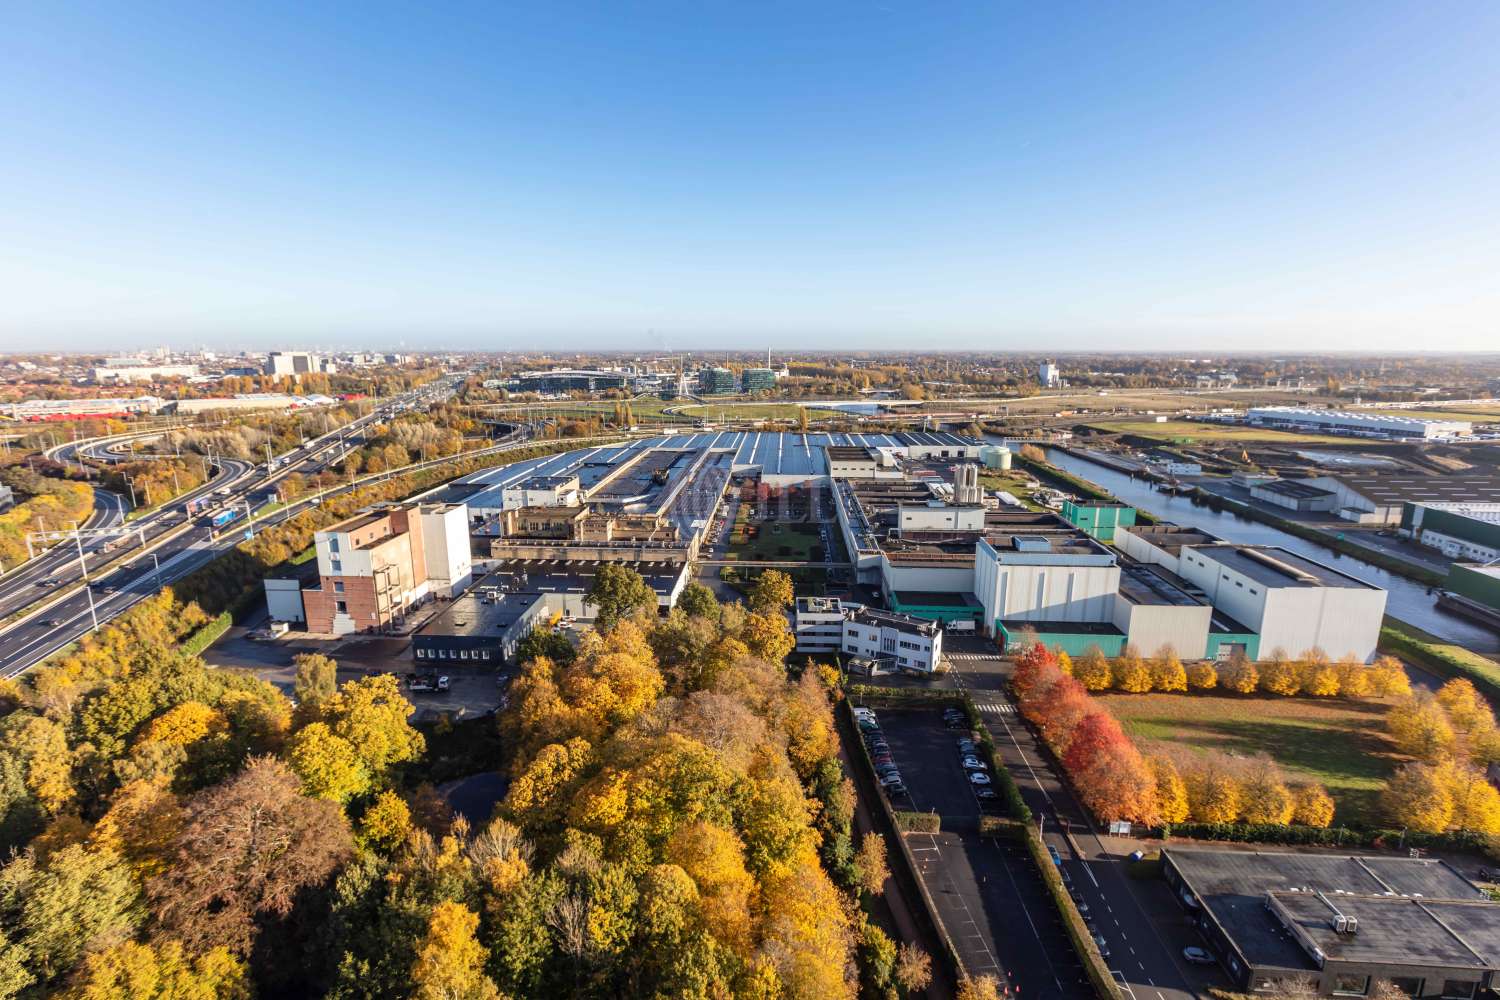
973,656
997,707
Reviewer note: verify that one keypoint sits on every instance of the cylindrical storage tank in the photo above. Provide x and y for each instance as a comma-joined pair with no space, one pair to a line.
995,456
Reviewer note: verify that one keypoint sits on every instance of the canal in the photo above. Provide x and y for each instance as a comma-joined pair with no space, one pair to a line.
1407,600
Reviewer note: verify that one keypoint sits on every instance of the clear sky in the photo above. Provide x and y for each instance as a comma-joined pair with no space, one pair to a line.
639,175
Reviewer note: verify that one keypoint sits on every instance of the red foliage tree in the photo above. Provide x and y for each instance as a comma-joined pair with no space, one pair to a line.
1092,738
1059,710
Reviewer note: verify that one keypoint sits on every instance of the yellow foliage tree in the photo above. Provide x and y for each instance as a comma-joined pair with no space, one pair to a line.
1167,673
1280,675
1064,662
161,971
1354,678
768,636
807,934
1476,802
1465,706
1171,790
1240,676
371,713
143,820
1312,805
1264,796
1321,680
386,824
978,987
185,724
714,858
1202,676
1388,678
1420,728
450,961
1131,673
1092,670
327,764
1213,792
1419,797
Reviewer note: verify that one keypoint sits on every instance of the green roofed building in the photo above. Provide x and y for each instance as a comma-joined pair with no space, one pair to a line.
1098,520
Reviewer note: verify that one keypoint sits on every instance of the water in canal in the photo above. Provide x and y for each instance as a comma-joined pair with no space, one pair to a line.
1407,600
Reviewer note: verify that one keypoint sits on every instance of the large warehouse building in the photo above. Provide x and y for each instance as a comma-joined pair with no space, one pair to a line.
1340,922
1371,423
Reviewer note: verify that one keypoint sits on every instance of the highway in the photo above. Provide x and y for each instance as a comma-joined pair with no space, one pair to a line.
166,545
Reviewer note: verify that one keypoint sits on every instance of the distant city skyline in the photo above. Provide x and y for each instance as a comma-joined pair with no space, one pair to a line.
683,177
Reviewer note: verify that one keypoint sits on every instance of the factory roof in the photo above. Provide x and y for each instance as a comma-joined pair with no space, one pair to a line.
549,482
1373,419
1276,567
1392,488
470,615
1293,489
1170,538
1410,911
895,620
1144,584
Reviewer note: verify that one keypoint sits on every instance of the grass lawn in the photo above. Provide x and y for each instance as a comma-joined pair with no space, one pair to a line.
746,411
778,541
1339,743
1188,431
1011,482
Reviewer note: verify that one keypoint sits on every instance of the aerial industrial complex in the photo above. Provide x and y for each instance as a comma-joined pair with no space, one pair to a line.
941,553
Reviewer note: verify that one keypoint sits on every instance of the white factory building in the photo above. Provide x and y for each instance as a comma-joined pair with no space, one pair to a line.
1373,423
887,639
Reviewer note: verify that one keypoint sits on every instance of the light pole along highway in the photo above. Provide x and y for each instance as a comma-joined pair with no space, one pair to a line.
43,619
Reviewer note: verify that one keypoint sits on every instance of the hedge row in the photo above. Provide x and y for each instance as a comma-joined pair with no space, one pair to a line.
1441,658
915,822
1334,836
209,634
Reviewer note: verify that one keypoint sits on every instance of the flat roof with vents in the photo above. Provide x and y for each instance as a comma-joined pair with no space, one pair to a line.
1276,567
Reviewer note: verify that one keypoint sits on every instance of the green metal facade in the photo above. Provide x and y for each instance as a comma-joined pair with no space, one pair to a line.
1098,520
1217,640
1453,524
937,612
1073,643
1476,586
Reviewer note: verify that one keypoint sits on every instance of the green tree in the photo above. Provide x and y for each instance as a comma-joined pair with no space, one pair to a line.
543,642
699,601
61,909
772,593
317,678
618,592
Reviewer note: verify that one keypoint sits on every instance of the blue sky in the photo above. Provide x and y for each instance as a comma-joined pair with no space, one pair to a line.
711,174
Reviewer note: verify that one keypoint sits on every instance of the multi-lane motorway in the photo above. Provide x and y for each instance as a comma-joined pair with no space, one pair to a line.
43,605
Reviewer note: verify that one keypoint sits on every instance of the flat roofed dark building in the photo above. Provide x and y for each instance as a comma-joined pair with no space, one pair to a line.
1340,921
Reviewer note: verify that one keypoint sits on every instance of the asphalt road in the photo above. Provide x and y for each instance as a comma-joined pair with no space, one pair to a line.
989,895
1144,931
52,623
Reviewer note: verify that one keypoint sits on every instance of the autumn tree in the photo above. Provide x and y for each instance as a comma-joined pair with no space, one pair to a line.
618,592
1131,674
772,593
370,715
1092,670
1213,790
316,679
768,636
981,987
1171,790
870,864
1420,728
1311,805
1201,676
327,764
1476,802
248,847
1239,675
1418,797
1388,678
913,971
1096,732
1167,672
386,823
161,971
1464,705
1280,674
1264,795
450,961
78,900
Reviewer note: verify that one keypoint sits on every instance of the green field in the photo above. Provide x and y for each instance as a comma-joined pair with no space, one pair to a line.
1341,744
746,411
1010,482
1188,432
777,541
1475,413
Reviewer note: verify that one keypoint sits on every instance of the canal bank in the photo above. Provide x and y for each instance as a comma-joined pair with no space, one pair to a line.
1407,600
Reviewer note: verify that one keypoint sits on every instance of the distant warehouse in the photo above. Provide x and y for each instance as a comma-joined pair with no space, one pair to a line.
1374,424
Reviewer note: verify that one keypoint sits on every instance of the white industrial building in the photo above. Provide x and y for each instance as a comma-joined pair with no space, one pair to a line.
1291,603
1376,424
1045,577
543,491
896,641
143,372
1049,375
1293,495
446,549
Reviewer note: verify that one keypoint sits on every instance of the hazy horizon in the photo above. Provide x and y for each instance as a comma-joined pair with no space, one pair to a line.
845,177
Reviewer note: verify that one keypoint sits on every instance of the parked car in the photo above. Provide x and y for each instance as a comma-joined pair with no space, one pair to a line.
966,745
974,764
952,723
894,778
1198,956
895,788
979,777
1056,858
1102,945
986,793
1083,908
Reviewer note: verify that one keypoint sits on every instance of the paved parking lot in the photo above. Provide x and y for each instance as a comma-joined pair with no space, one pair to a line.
988,893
